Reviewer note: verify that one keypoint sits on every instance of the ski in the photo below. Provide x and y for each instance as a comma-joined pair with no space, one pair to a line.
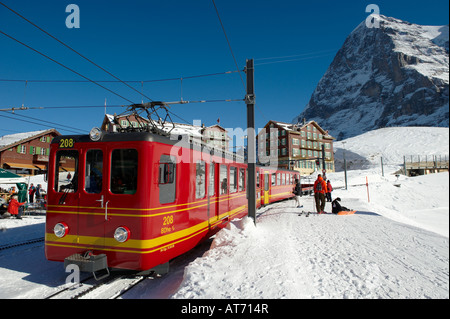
306,213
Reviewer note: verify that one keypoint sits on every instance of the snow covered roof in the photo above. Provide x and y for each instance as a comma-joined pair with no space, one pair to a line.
8,141
293,127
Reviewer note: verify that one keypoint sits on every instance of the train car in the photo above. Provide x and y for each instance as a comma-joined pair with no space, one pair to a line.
136,200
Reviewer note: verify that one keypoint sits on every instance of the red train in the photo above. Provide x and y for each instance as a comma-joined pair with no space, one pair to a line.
136,200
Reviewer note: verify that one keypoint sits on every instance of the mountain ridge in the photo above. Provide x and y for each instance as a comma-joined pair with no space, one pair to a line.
394,75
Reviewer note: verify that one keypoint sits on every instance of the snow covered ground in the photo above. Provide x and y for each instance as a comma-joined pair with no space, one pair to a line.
396,247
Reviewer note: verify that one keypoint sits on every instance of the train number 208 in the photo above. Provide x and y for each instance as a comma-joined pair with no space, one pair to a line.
167,220
66,143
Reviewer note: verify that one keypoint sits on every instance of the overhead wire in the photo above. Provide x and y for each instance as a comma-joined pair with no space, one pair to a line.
73,50
64,66
229,44
40,123
98,66
232,53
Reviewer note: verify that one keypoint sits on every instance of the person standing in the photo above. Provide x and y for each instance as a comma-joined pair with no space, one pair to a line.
329,190
297,192
31,192
320,188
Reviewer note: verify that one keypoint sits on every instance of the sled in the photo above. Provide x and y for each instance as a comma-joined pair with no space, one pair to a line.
346,212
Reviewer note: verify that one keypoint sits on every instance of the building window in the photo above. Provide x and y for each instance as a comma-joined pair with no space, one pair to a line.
295,141
21,149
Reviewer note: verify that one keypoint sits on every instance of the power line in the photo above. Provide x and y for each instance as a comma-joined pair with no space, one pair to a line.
297,55
40,123
127,81
294,60
73,50
66,67
228,41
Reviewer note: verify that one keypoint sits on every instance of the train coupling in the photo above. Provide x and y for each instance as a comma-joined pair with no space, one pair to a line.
88,262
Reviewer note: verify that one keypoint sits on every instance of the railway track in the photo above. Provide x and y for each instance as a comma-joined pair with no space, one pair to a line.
22,243
110,288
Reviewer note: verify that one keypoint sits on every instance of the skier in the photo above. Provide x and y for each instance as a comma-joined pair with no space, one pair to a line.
320,188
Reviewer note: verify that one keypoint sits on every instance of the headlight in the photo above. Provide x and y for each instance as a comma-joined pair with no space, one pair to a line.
122,234
61,230
95,134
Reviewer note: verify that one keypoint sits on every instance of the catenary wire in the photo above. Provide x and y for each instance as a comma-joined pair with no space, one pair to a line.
64,66
39,123
73,50
128,81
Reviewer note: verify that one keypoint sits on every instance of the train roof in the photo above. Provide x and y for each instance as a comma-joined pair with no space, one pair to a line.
173,139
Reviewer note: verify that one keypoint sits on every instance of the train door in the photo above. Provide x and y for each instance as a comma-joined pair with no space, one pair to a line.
110,180
91,214
267,183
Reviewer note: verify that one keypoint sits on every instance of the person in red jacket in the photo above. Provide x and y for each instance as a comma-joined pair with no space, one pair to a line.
320,189
329,190
14,207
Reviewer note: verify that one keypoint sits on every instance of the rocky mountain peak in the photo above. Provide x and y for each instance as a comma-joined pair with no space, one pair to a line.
393,75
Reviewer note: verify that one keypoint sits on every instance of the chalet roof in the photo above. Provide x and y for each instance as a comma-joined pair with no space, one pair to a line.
12,140
293,127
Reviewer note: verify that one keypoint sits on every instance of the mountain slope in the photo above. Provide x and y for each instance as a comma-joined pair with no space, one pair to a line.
395,75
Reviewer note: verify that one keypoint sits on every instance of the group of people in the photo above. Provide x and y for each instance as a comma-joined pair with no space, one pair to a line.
322,194
10,206
34,192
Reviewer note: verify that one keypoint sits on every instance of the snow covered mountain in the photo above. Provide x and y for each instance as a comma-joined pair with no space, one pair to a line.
394,75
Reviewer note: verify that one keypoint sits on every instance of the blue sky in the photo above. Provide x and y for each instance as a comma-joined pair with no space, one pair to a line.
142,40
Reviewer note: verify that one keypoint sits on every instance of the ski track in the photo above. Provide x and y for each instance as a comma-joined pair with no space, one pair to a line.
325,256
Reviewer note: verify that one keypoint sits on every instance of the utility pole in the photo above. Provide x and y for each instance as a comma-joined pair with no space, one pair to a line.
324,168
251,139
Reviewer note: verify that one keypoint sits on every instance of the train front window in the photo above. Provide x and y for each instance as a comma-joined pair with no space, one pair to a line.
66,172
93,178
124,171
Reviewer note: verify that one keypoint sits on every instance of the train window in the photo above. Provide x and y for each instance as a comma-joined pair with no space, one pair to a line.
200,179
212,179
223,179
266,182
66,174
241,179
233,179
167,179
124,171
93,178
278,179
283,179
274,179
257,179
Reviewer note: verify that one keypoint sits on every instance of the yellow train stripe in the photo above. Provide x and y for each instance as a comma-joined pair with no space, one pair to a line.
135,245
137,209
